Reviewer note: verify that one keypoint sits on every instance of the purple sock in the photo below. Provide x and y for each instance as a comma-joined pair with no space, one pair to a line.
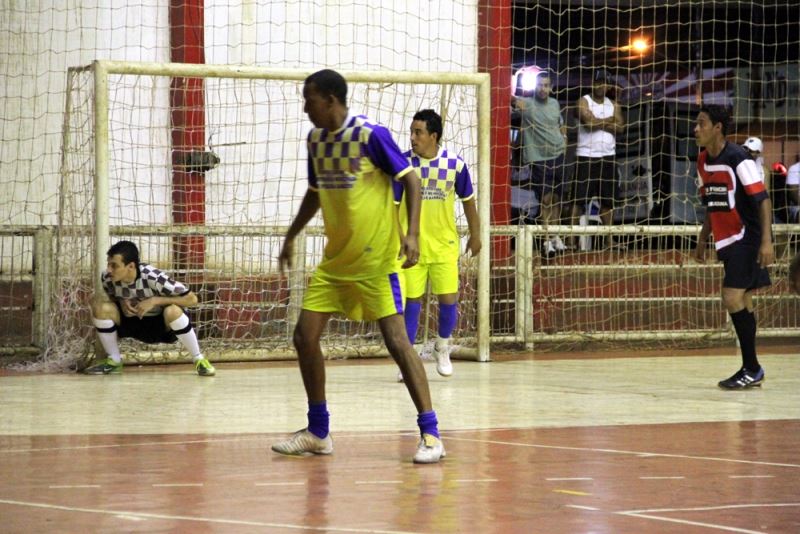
428,424
448,316
411,316
318,419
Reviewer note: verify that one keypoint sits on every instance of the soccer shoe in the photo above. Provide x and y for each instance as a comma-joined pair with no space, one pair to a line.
443,364
204,367
304,443
743,379
104,367
429,450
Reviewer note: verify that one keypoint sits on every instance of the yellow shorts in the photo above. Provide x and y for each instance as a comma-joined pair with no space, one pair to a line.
362,300
443,277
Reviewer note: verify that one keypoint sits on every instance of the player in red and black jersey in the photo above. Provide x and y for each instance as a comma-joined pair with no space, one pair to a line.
739,215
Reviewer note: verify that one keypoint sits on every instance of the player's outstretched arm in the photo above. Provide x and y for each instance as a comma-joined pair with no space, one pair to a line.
187,300
308,208
702,241
766,252
410,242
473,221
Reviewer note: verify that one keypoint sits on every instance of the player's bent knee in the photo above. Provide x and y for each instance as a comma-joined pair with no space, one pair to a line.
104,310
172,312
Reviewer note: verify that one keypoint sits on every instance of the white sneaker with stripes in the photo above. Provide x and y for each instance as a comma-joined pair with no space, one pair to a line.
304,443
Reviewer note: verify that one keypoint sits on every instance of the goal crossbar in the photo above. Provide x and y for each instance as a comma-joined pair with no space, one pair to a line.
102,69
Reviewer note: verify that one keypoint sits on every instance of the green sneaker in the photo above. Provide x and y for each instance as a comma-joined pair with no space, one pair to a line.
204,367
104,367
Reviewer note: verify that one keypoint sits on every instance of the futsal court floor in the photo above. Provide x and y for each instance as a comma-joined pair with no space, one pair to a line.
570,443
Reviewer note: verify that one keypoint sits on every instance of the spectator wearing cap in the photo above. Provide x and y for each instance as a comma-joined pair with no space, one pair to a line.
755,147
599,121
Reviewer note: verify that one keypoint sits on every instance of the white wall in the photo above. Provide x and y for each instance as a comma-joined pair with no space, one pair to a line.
43,38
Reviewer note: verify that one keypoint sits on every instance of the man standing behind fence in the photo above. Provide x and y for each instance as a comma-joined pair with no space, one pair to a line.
599,121
544,142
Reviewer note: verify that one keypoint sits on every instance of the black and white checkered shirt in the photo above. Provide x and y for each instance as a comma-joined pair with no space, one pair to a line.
151,282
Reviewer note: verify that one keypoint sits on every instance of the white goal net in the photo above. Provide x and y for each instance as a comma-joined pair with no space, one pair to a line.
662,59
207,190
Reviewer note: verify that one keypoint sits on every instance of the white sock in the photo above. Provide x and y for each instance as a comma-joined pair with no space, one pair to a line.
188,339
108,339
441,343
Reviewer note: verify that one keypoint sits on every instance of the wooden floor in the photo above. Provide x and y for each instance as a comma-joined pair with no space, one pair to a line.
575,445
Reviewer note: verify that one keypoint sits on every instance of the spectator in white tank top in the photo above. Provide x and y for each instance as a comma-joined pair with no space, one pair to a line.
599,121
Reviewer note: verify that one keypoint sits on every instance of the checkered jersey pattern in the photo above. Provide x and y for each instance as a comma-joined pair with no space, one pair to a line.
352,170
443,177
339,157
151,282
440,174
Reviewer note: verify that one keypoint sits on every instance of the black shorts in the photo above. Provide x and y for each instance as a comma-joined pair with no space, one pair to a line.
543,177
742,270
148,329
595,178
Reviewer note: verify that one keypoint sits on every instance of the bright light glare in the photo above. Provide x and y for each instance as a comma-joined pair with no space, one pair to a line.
528,81
640,45
525,79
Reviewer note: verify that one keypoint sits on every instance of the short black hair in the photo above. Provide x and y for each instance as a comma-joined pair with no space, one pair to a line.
718,115
602,76
127,250
432,121
329,82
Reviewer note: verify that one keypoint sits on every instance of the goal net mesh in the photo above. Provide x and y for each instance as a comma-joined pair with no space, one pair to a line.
242,197
662,59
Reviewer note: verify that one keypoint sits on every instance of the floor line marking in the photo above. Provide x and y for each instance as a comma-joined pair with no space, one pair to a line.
128,445
579,507
708,508
695,523
571,492
74,486
620,451
661,478
264,435
751,476
221,521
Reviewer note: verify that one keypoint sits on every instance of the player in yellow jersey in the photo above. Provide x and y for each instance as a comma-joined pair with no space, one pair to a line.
444,175
352,163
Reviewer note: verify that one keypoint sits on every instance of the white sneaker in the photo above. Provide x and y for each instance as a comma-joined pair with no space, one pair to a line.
443,364
304,443
558,244
429,450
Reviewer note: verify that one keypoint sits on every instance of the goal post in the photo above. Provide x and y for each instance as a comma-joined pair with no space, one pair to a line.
255,127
